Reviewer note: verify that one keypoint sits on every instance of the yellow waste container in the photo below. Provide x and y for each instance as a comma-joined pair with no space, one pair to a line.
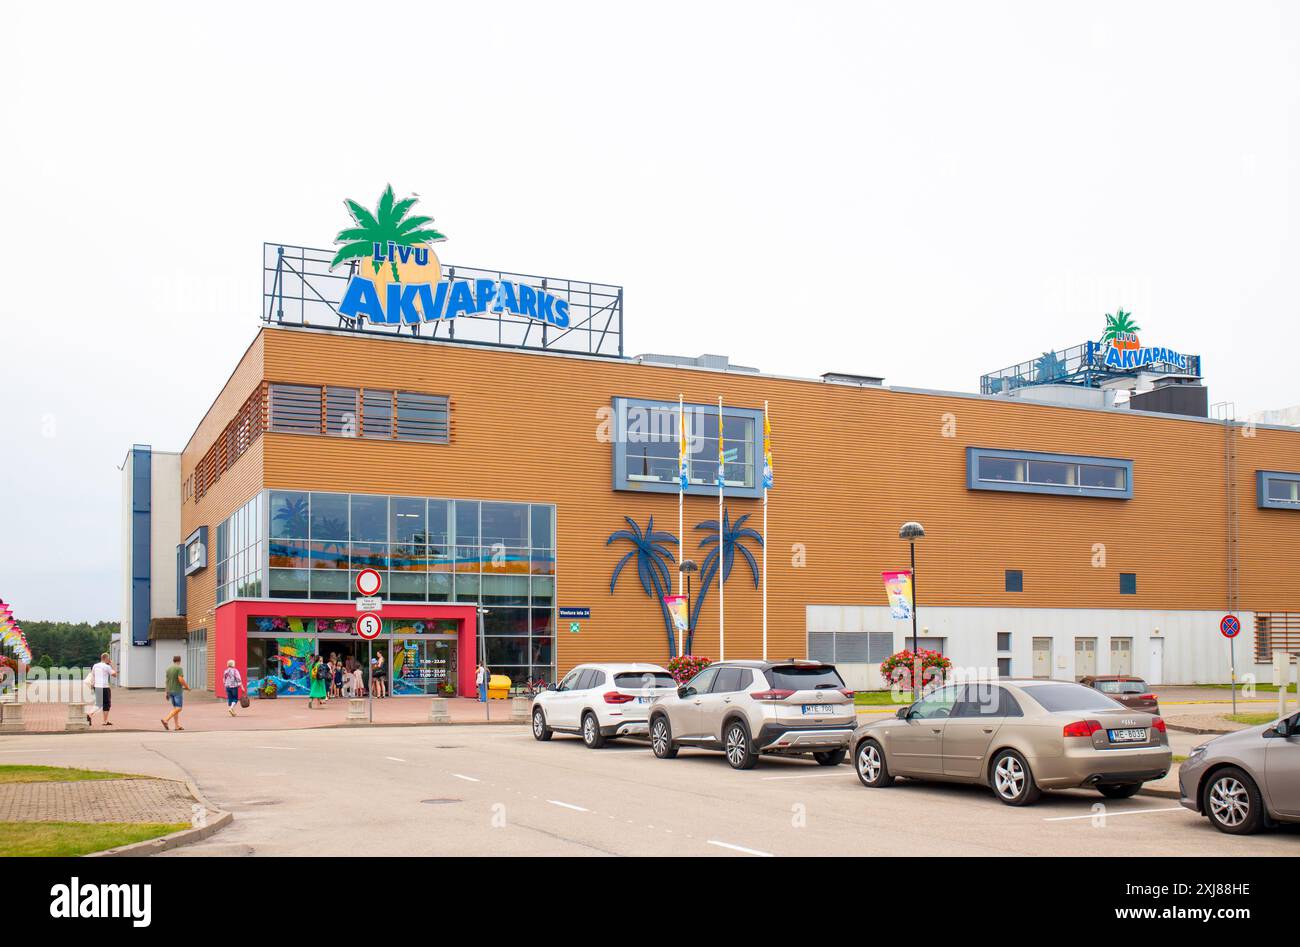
498,687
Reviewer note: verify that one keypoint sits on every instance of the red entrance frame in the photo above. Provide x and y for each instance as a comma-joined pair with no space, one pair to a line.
232,629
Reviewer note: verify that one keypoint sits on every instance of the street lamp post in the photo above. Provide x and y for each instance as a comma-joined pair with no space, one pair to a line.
912,531
686,567
482,649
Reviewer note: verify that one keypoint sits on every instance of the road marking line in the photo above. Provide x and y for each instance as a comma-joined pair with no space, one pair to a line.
395,759
27,751
275,748
741,848
567,805
468,779
1108,815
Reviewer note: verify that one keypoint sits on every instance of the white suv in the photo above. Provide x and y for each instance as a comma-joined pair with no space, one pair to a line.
600,701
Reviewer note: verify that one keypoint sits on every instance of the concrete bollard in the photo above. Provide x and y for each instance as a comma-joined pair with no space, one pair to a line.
357,710
76,718
11,718
438,712
520,709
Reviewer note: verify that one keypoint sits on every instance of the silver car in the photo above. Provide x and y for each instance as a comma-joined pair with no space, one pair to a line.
746,708
1018,737
1244,780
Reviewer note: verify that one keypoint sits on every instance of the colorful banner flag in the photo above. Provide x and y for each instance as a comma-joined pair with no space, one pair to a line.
681,447
677,609
767,453
898,587
721,459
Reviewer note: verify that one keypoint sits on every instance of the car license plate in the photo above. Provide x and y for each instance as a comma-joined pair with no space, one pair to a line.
1128,736
643,700
813,710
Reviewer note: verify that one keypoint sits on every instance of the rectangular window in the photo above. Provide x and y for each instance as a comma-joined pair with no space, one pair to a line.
647,447
296,408
376,413
422,417
1062,474
341,409
1004,641
1015,580
1004,667
1277,490
1128,583
850,647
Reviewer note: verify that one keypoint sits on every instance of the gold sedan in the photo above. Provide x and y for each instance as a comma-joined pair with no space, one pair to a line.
1019,738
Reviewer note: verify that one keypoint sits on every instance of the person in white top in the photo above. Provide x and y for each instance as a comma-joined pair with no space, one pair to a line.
102,675
482,677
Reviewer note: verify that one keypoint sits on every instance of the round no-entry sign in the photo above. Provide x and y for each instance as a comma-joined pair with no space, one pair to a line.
1230,626
369,626
369,582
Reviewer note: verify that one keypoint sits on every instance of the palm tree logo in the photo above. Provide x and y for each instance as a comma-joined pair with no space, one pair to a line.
1121,330
725,542
388,228
652,566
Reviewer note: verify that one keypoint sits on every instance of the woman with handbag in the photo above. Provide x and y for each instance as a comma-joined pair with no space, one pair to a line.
234,682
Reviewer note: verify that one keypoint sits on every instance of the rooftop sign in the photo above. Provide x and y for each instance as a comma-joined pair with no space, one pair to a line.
1121,351
385,277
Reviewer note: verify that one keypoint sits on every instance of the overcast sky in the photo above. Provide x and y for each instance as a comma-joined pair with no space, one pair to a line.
921,191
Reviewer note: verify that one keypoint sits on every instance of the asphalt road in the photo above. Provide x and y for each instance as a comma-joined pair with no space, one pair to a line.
493,790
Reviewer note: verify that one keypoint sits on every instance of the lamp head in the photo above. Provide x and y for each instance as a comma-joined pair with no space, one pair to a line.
687,565
911,530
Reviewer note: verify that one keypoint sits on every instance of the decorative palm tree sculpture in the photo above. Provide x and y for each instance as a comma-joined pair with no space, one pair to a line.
652,566
1119,328
388,224
724,542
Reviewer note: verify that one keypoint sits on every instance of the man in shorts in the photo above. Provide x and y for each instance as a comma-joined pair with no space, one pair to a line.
175,690
101,677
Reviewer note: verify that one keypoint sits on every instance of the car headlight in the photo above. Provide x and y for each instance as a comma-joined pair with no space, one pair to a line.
1197,751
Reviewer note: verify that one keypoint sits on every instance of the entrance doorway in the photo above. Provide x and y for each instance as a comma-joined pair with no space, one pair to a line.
1156,661
1085,657
1042,657
351,651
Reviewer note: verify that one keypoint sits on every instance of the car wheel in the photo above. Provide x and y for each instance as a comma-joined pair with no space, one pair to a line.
1120,792
1012,781
1233,803
591,732
661,739
736,743
830,757
873,770
540,730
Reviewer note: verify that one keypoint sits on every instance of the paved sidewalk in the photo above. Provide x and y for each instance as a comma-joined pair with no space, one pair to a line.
106,800
142,710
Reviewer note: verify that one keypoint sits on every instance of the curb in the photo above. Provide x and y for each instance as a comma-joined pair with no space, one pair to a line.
216,821
1198,730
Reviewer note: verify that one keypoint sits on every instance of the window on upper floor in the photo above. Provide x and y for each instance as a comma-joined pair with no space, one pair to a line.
1128,583
646,447
1277,490
1014,580
1035,472
376,413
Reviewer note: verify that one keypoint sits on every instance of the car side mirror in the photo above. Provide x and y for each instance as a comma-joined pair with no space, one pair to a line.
551,687
684,692
903,713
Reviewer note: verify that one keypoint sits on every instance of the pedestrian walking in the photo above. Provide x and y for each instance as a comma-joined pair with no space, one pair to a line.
234,682
378,684
481,678
101,677
317,677
174,691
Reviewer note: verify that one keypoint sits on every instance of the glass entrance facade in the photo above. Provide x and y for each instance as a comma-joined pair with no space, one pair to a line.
295,544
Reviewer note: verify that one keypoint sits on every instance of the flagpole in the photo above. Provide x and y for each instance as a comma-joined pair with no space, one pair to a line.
722,549
681,528
765,446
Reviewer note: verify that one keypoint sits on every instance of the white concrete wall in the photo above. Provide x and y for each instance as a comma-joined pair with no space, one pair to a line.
1194,650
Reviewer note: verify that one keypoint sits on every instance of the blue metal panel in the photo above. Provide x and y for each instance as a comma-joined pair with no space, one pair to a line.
141,543
619,473
973,482
1262,480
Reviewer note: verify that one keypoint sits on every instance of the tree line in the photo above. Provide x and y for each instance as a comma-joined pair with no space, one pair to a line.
67,644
